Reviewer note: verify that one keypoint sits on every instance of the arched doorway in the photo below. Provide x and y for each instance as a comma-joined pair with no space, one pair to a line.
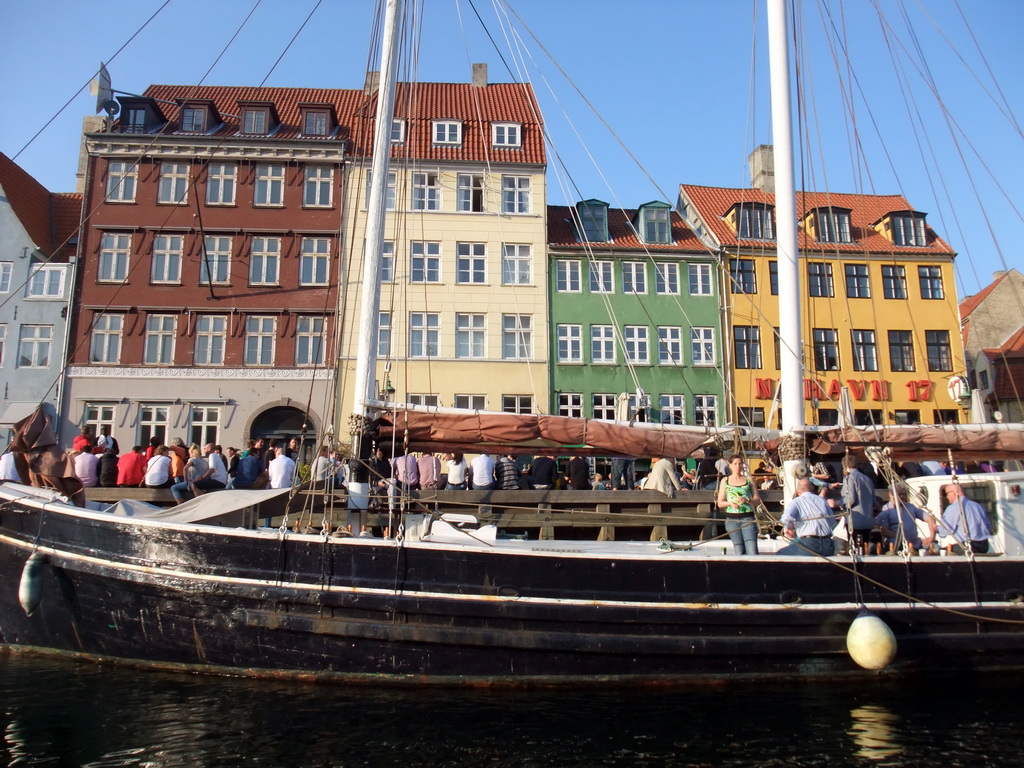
284,422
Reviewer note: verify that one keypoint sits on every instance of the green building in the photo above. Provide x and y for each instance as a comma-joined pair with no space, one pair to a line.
634,315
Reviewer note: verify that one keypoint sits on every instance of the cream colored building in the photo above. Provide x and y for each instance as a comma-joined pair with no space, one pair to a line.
463,307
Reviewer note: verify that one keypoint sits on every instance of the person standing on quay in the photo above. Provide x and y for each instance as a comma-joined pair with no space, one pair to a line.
738,497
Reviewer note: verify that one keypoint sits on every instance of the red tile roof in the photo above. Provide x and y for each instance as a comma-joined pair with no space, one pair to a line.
418,103
562,232
1012,347
713,203
46,217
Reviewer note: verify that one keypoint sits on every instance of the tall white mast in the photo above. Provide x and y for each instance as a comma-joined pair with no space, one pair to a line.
369,308
791,345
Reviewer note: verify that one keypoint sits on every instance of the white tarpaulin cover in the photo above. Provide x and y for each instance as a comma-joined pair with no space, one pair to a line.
200,509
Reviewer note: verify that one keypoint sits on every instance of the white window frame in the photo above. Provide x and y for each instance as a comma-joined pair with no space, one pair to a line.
602,277
568,276
167,255
521,404
98,416
424,334
657,227
387,261
447,132
260,340
634,278
204,425
516,337
115,254
310,339
471,263
506,135
268,191
193,119
6,270
210,339
700,279
516,264
602,345
315,261
221,182
424,261
469,196
471,402
383,334
603,406
122,178
318,186
35,343
515,194
105,338
3,342
265,261
161,333
672,409
470,336
569,343
426,191
154,421
255,121
666,278
216,259
570,404
702,346
172,189
397,131
705,410
636,344
390,191
315,123
45,281
670,345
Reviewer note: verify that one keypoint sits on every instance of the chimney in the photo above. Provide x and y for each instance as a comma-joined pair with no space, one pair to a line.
479,75
762,169
372,82
90,124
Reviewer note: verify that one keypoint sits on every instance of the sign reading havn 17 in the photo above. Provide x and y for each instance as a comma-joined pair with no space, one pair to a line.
860,389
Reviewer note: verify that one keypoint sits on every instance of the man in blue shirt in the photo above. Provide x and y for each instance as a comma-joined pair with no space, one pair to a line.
966,520
809,519
898,522
859,499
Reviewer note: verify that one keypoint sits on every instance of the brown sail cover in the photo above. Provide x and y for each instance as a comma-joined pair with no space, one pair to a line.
475,432
910,443
48,464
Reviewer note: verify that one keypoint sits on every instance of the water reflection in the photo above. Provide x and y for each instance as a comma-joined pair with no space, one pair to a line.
873,729
57,713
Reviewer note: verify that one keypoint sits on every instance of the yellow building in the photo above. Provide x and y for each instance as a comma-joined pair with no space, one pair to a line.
878,304
463,308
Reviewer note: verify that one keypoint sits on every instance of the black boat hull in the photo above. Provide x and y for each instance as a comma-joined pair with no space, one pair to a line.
252,602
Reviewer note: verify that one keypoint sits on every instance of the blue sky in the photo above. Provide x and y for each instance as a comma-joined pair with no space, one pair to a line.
682,83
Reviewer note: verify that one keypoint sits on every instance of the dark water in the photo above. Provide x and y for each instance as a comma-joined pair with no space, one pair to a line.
60,713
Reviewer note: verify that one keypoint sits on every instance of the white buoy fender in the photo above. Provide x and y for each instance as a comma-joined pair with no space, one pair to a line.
30,591
870,642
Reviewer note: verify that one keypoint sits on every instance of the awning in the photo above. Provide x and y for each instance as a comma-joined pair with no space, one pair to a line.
16,411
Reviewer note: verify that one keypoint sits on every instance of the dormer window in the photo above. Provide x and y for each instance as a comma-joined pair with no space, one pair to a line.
255,121
593,220
139,114
909,229
135,120
506,135
833,225
755,221
398,131
193,119
314,124
654,225
448,132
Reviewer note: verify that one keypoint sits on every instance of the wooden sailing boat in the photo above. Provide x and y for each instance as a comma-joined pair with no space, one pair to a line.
200,588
